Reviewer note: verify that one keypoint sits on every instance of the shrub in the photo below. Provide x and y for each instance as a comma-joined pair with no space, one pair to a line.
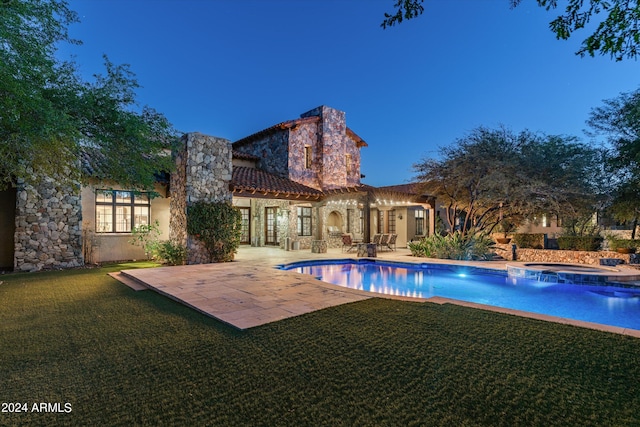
615,244
218,226
529,240
580,243
146,236
171,253
454,246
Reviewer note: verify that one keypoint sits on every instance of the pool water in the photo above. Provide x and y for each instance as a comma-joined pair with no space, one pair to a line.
609,305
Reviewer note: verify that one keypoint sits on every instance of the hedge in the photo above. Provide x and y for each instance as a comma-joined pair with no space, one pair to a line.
580,243
529,240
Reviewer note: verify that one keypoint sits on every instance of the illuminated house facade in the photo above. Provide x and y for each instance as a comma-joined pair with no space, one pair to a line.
295,183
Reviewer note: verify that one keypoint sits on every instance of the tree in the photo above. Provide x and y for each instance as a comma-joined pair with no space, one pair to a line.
617,34
494,175
619,121
48,114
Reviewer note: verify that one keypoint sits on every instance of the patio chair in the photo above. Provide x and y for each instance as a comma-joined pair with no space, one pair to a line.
347,243
376,239
391,243
384,241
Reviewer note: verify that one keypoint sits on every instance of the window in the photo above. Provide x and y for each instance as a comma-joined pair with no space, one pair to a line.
380,222
347,161
545,221
304,221
361,215
119,211
419,215
391,221
308,156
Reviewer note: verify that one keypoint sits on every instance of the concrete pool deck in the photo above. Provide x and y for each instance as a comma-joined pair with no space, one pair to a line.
250,292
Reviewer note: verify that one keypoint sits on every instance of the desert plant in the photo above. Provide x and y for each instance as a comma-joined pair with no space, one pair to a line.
454,246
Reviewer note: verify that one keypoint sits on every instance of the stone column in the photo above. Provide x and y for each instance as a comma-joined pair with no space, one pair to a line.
48,226
203,173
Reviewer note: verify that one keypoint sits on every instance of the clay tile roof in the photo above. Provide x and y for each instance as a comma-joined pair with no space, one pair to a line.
244,156
412,188
252,181
275,128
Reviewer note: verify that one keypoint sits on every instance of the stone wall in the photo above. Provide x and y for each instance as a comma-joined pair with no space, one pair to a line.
203,173
334,146
568,257
306,134
282,150
273,151
340,208
48,226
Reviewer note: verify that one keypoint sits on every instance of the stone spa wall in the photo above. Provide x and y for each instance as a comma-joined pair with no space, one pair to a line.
568,257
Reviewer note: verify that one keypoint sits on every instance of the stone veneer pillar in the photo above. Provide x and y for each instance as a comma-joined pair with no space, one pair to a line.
48,226
203,173
333,143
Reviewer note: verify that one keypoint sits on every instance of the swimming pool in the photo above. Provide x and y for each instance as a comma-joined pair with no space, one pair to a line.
610,304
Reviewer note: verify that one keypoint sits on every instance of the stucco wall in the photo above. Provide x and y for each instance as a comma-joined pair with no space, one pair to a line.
104,247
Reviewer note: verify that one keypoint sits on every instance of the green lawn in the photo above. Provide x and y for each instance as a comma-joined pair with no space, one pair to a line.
126,358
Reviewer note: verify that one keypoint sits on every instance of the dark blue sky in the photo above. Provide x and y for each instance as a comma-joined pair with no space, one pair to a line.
230,68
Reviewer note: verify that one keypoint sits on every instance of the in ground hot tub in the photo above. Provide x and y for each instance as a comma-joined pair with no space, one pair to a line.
572,273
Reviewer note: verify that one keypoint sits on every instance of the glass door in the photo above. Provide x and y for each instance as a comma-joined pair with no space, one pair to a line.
271,226
245,236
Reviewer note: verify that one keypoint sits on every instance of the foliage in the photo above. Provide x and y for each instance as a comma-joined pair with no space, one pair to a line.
218,226
581,234
146,236
138,358
529,240
617,33
615,244
470,246
506,226
171,253
491,176
583,226
619,120
166,251
580,243
49,114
